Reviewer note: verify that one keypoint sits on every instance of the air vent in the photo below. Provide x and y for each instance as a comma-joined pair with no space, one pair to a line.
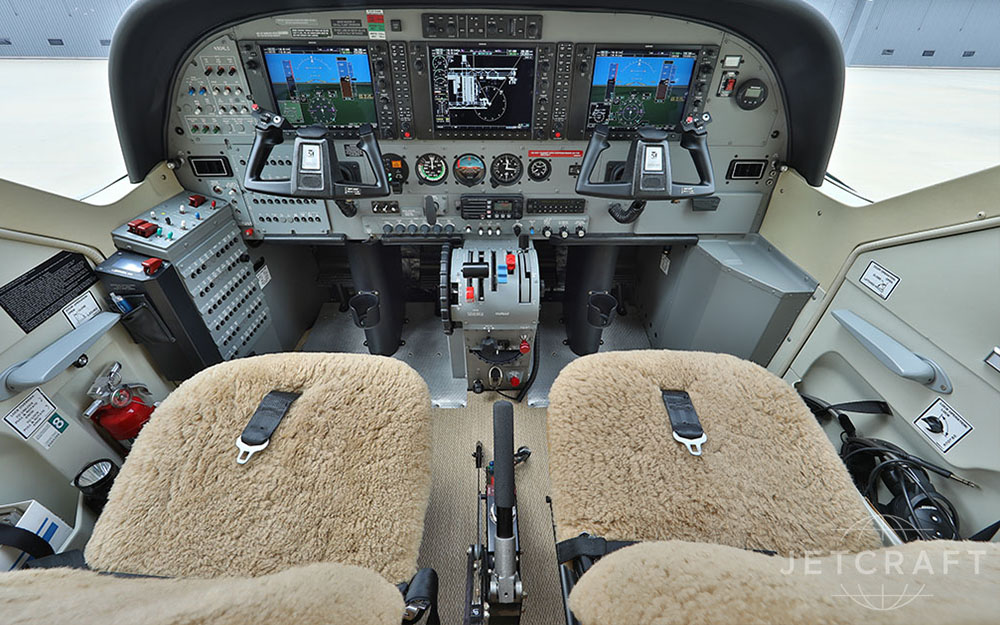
56,42
746,170
211,166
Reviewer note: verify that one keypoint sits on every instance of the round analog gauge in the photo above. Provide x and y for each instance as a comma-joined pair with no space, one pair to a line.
470,169
396,169
431,168
506,169
539,169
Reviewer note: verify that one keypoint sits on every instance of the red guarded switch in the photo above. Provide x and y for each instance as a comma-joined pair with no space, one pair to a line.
525,346
511,262
196,200
515,381
151,266
470,293
146,229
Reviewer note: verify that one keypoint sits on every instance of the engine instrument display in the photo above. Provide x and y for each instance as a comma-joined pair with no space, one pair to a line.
431,168
322,85
482,88
640,87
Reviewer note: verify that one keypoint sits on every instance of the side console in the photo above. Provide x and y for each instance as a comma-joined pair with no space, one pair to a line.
495,295
185,275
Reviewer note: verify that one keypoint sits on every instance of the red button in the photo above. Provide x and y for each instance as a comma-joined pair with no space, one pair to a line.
151,265
470,293
525,347
196,200
511,262
146,229
248,232
515,381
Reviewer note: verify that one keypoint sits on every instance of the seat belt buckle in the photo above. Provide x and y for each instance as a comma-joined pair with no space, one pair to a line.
684,420
693,444
248,450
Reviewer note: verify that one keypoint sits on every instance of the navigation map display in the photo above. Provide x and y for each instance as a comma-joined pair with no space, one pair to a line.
488,88
322,85
634,88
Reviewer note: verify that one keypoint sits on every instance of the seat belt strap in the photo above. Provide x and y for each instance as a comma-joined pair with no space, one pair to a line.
587,545
684,420
257,434
421,597
25,540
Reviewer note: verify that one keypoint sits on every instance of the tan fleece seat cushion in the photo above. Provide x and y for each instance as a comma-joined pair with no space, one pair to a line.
768,477
677,583
346,477
317,593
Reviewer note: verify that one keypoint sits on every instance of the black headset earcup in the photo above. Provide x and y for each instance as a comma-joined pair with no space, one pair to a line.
928,517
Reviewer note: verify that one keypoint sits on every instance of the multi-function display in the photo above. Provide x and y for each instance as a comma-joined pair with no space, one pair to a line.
482,88
321,85
635,87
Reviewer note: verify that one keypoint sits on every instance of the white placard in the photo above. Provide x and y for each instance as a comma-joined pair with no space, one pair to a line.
263,276
879,280
941,416
653,159
81,309
32,412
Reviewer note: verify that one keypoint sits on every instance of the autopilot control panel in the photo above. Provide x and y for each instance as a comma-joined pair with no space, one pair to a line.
481,119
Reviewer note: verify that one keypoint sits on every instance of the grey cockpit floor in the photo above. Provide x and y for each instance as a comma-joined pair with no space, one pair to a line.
426,347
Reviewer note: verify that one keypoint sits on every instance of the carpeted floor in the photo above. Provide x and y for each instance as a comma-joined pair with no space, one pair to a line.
450,525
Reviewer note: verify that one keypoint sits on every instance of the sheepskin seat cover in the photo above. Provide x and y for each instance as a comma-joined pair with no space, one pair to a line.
768,477
317,593
678,583
346,477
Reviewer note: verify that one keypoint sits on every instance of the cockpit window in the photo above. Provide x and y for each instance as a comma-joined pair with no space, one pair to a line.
893,140
57,127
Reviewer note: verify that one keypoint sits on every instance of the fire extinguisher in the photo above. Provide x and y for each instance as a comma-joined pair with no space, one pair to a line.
120,409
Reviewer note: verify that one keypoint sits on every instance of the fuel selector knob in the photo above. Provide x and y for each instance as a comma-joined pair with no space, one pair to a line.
563,233
546,232
581,231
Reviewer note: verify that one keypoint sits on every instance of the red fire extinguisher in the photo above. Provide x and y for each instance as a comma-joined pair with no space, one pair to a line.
121,409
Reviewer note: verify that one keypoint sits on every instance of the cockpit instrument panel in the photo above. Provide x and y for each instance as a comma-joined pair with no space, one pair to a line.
323,85
633,88
482,88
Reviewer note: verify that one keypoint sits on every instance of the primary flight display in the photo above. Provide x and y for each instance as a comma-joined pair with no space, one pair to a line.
322,85
640,87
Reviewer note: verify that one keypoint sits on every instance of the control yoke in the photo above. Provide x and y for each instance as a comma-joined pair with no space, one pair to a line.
647,170
315,168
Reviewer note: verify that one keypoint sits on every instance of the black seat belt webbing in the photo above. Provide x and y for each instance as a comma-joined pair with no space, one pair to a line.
590,546
684,420
258,431
25,540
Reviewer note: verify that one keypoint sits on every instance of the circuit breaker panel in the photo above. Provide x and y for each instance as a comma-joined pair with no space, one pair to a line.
496,295
197,237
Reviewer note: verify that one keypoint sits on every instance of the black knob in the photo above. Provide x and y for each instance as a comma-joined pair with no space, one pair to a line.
436,229
517,229
477,387
449,229
252,64
400,228
425,229
581,231
564,233
387,229
546,232
380,65
411,229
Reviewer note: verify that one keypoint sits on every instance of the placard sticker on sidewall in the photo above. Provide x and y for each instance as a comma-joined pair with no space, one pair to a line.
376,23
47,434
942,425
879,280
30,413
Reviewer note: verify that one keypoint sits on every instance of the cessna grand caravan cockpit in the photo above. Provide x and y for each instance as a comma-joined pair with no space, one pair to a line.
383,263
